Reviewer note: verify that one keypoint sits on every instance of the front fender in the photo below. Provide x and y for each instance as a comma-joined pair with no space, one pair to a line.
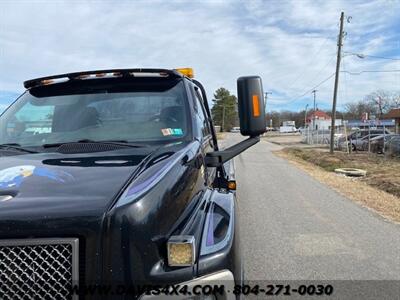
220,247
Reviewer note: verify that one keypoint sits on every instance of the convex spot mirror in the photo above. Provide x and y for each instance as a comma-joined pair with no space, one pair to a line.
251,106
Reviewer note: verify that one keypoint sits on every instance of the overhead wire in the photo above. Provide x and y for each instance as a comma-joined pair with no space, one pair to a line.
382,57
333,74
372,56
343,71
311,89
316,75
301,74
370,71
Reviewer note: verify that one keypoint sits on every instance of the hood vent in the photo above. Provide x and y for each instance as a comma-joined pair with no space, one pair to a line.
75,148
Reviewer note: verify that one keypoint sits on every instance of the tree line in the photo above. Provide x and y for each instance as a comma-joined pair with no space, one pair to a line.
378,103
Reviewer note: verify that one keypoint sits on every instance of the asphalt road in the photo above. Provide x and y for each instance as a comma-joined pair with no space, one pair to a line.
295,228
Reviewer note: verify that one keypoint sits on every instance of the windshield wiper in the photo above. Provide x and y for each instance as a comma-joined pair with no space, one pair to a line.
113,142
15,146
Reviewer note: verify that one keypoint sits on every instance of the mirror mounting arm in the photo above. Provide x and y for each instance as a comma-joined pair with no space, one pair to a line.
218,158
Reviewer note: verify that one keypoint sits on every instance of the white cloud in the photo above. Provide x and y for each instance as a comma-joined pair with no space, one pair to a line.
290,44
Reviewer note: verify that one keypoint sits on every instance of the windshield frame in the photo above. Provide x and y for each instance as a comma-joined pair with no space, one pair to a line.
105,84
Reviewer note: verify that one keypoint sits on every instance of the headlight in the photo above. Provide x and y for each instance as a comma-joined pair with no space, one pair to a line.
181,251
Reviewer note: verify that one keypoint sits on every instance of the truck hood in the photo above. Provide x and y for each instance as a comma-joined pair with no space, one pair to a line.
53,186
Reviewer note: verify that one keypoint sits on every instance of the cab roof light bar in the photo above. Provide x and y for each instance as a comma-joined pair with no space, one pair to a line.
101,74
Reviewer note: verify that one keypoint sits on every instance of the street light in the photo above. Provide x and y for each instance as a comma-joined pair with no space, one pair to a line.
265,99
359,55
305,123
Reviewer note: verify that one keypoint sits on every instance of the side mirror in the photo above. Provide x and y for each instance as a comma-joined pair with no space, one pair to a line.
251,106
252,122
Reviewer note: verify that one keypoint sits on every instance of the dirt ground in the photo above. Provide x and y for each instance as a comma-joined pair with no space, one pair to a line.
221,135
283,139
382,173
379,190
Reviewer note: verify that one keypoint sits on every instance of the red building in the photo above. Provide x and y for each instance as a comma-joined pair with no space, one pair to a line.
394,114
319,115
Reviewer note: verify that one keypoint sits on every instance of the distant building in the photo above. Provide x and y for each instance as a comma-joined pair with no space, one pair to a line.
320,120
364,124
394,114
289,123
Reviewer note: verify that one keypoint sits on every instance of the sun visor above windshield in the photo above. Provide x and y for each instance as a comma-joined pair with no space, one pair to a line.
105,86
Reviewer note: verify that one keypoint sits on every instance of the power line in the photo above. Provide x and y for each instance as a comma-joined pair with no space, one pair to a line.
316,75
329,77
322,69
382,57
310,90
301,74
370,71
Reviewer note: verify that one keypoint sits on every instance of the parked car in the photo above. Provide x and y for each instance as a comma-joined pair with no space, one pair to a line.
235,129
379,143
363,143
359,133
287,129
360,144
393,146
358,138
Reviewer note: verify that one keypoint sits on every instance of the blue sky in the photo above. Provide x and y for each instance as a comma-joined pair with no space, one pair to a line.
290,44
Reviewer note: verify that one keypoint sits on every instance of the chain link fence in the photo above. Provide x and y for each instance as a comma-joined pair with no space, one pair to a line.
323,136
349,139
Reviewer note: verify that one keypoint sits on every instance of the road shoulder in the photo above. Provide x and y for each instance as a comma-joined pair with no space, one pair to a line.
378,201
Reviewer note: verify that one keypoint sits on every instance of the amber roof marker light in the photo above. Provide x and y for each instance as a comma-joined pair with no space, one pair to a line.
188,72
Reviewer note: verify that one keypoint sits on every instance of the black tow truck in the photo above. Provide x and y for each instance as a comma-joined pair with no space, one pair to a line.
112,180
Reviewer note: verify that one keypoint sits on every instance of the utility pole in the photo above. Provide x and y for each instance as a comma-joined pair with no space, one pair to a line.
266,96
265,99
339,56
305,116
265,105
315,107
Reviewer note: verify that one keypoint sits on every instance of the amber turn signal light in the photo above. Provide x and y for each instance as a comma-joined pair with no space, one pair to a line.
232,185
256,106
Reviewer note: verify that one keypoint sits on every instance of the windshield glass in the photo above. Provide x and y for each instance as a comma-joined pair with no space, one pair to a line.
143,116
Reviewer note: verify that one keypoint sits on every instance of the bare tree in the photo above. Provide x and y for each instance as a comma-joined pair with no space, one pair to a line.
377,103
384,101
380,100
396,100
354,110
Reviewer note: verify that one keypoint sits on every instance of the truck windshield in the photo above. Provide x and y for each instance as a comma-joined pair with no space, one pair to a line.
133,116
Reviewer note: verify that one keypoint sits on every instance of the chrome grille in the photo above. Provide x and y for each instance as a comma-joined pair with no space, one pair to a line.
38,269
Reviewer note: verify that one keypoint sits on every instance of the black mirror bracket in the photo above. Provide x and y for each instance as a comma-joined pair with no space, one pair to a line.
218,158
